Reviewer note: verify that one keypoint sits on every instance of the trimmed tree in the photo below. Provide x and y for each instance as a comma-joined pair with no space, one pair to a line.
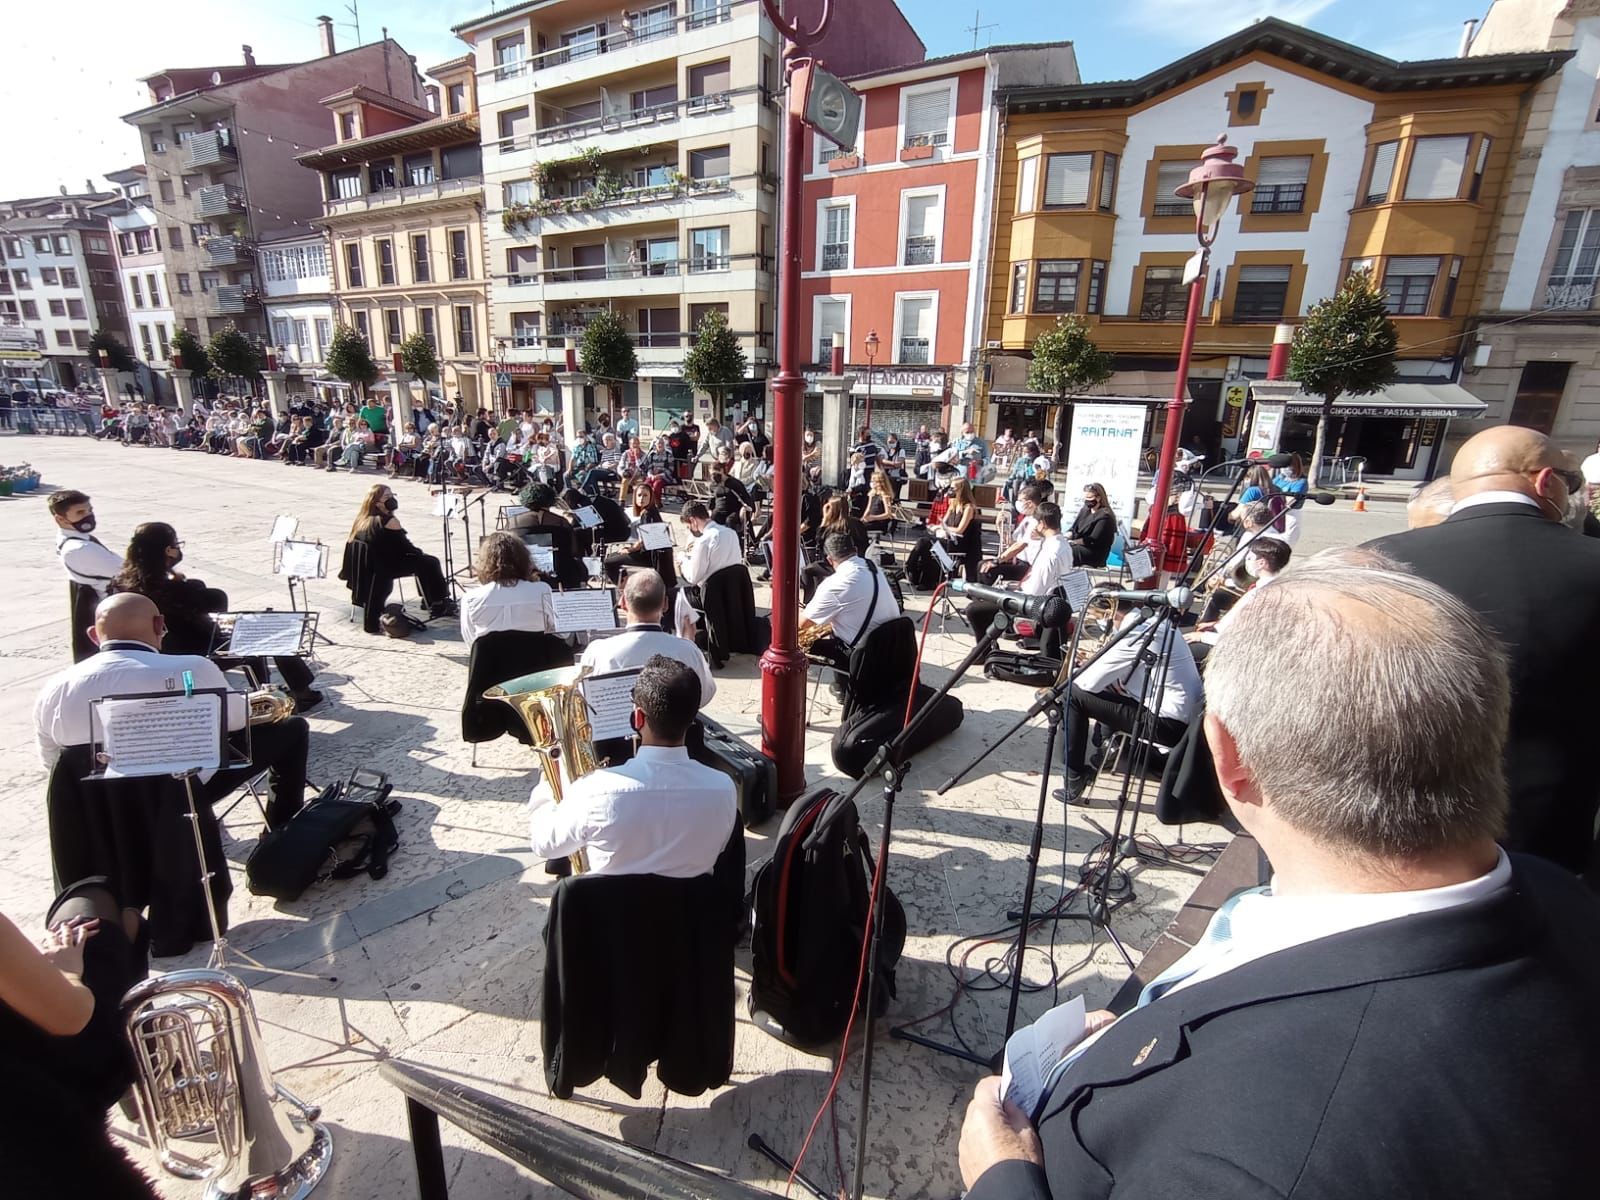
716,361
605,352
121,358
233,356
349,358
418,358
1065,359
1345,347
194,355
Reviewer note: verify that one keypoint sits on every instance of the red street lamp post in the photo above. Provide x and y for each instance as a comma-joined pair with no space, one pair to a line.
872,345
1211,185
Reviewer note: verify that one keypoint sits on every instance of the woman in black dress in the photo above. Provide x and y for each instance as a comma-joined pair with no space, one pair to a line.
642,511
1094,529
391,554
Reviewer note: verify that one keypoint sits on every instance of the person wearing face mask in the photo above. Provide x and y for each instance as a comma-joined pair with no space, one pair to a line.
1511,550
811,459
390,555
90,564
1094,529
1264,562
1013,561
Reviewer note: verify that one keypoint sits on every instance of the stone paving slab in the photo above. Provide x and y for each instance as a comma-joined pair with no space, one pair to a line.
440,962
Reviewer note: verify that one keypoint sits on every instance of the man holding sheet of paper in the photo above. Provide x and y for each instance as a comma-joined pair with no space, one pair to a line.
644,600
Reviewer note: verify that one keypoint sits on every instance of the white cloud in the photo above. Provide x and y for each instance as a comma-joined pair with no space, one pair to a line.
1179,20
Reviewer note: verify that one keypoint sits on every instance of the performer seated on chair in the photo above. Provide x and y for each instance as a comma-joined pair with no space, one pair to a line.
959,530
509,595
642,511
644,606
730,499
845,600
1264,561
390,553
715,546
186,606
1014,560
545,516
878,515
1111,691
835,518
659,813
129,630
1051,561
1094,529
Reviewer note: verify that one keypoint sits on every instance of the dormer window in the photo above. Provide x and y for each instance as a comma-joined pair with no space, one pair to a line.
347,126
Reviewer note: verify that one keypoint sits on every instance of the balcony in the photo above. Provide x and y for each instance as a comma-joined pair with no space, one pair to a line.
913,350
214,148
694,276
1575,295
468,187
218,200
836,256
227,251
919,251
232,299
600,203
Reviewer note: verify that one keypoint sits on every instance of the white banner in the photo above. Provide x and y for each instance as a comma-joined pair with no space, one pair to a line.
1106,443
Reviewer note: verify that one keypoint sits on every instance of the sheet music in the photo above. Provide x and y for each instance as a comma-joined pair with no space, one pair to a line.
264,634
609,698
301,559
1077,586
451,504
586,609
657,535
511,512
1035,1049
284,528
1140,564
160,735
592,564
587,516
943,556
544,558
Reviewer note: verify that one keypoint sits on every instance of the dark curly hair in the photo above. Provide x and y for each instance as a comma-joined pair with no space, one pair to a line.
537,496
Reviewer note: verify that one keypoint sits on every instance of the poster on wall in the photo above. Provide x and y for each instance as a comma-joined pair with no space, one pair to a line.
1105,449
1265,430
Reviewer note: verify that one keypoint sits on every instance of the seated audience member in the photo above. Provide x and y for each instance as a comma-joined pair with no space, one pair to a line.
1264,561
406,448
644,604
129,630
878,513
1014,559
1051,561
1094,529
1111,691
509,595
1394,936
391,555
1430,503
715,546
353,441
959,530
657,814
855,599
605,470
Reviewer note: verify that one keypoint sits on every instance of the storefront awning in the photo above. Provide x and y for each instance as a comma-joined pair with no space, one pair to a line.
1001,396
1405,401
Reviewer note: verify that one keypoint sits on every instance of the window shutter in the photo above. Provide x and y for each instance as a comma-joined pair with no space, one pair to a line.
927,116
1383,159
1066,180
1263,274
1415,265
1436,166
1287,169
1168,176
1108,180
919,216
710,79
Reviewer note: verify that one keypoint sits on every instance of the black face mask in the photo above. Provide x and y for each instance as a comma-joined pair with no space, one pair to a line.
86,525
391,504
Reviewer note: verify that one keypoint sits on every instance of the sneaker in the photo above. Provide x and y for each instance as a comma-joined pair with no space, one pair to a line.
1073,792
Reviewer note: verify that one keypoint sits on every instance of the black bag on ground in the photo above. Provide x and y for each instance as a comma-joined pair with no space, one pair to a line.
810,900
754,775
875,700
1032,670
330,838
863,730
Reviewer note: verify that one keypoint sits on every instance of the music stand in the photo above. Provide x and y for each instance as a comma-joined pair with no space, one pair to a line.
300,561
949,569
266,634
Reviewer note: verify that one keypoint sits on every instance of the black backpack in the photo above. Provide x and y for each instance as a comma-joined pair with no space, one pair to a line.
810,902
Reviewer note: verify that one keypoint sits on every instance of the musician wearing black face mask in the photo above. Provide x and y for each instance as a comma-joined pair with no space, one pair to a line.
390,555
90,564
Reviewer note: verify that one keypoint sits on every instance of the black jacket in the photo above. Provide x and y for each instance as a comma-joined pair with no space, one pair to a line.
1537,584
1451,1054
1094,530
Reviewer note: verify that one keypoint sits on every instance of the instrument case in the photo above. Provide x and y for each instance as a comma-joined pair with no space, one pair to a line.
754,775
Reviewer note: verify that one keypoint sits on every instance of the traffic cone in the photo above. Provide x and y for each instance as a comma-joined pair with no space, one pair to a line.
1361,498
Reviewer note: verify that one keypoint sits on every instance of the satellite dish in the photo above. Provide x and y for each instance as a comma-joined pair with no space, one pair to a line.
216,77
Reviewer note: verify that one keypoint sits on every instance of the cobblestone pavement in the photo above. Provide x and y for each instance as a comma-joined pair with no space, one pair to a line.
440,962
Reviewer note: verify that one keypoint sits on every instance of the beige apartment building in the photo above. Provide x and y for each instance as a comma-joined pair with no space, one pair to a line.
403,210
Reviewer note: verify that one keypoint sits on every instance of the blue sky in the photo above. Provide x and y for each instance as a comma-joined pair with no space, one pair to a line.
64,95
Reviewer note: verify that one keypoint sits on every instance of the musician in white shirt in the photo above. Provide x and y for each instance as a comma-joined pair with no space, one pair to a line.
88,562
715,546
1052,558
658,814
644,603
510,594
1014,560
854,600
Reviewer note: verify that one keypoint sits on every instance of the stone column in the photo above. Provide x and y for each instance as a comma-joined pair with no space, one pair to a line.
400,403
183,388
569,386
277,397
837,436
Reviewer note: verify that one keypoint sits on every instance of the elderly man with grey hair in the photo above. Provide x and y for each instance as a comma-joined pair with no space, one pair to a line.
1405,1010
644,605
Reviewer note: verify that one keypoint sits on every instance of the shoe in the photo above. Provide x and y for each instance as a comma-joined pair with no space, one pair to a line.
1073,792
764,577
445,609
307,700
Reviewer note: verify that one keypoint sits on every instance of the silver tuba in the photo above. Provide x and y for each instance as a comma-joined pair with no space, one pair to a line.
201,1077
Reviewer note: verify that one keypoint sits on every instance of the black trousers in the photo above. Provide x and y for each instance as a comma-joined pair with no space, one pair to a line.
1117,713
281,749
429,575
1013,570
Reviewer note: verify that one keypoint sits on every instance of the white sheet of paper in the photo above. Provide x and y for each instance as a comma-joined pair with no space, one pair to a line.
262,634
301,559
510,512
1077,586
448,505
1140,564
284,528
943,556
161,735
1035,1049
585,609
592,564
544,557
657,535
610,701
587,516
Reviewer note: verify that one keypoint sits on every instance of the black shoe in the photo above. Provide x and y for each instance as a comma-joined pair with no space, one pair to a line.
307,700
1073,792
445,608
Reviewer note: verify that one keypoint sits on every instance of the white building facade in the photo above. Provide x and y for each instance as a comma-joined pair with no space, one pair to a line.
296,291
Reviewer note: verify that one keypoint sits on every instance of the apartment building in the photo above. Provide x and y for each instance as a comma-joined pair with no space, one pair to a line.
142,274
1536,360
297,298
403,209
896,232
220,144
631,164
1359,162
58,280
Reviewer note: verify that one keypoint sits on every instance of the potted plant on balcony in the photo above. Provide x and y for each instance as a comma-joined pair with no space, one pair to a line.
605,353
716,361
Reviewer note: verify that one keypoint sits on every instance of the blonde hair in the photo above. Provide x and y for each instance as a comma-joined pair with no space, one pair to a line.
369,516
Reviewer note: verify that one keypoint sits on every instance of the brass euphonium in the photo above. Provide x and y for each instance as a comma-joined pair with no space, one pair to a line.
268,705
552,707
200,1076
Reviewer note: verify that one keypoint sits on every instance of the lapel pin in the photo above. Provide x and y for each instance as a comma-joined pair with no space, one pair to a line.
1138,1059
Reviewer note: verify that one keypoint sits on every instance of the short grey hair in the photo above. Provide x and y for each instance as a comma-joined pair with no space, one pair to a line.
644,592
1384,729
839,546
1255,515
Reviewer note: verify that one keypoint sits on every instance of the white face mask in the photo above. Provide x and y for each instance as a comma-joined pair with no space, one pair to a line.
1252,567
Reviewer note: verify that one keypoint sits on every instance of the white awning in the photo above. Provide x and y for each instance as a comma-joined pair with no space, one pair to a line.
1405,401
1004,396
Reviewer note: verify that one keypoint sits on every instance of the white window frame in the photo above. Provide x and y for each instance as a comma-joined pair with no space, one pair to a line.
816,319
821,146
906,194
933,339
1027,198
823,205
940,85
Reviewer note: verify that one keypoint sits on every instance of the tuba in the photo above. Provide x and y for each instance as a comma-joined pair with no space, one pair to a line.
268,705
552,707
200,1077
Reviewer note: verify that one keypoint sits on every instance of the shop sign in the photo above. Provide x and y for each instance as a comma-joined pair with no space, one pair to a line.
520,369
1233,397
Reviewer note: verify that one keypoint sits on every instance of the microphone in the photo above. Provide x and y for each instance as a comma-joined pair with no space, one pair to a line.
1051,611
1323,498
1178,598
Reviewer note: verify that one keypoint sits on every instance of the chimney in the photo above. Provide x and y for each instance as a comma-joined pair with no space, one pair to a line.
431,96
1468,28
325,28
249,56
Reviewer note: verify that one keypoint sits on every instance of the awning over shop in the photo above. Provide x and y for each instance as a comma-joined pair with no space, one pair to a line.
1001,396
1405,401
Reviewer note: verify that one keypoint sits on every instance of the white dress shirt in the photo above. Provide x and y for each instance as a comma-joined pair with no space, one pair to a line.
89,563
527,605
842,599
1495,497
123,668
1120,670
657,814
1051,561
1023,532
637,644
716,547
